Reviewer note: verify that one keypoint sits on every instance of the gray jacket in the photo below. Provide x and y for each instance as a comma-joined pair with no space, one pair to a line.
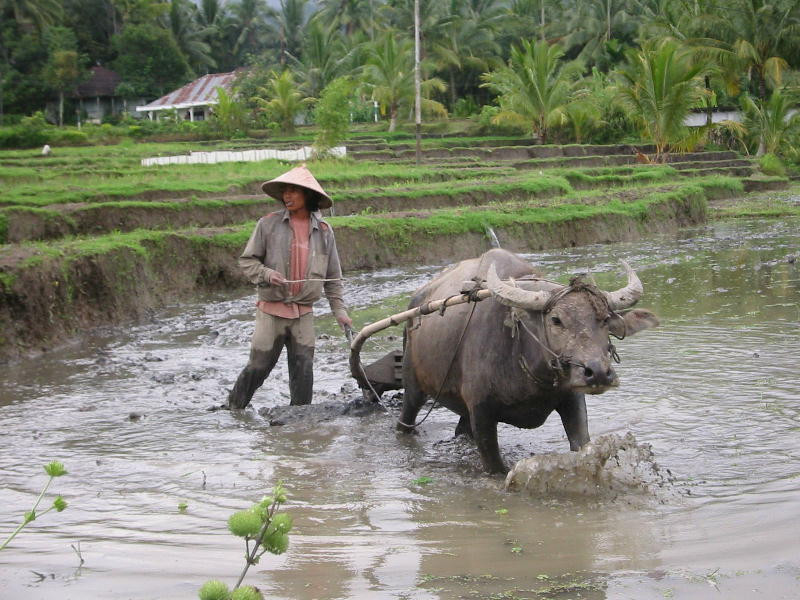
268,250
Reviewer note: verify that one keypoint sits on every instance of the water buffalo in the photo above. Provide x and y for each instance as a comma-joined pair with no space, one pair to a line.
531,348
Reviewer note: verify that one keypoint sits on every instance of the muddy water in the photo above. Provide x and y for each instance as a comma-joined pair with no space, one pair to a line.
714,391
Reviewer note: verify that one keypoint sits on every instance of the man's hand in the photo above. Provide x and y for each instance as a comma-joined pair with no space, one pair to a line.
276,278
344,321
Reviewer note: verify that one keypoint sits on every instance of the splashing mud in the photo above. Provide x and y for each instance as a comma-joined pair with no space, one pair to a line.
606,468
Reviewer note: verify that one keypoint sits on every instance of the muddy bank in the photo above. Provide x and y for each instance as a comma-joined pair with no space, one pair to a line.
50,295
24,224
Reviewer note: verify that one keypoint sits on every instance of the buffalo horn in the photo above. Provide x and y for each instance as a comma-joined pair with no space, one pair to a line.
627,296
513,296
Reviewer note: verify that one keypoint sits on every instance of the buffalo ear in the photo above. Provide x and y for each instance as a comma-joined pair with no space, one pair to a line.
635,320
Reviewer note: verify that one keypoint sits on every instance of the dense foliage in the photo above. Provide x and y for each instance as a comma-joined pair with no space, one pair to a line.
524,65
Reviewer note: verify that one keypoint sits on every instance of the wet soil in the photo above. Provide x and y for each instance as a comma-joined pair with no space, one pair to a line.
712,393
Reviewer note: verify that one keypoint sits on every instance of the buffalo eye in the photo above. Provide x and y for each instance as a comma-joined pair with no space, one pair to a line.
556,321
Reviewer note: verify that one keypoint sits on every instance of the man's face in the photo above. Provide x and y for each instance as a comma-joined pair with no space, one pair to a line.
294,197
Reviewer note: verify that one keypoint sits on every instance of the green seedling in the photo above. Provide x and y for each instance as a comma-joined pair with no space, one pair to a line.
264,530
501,511
424,480
53,469
182,506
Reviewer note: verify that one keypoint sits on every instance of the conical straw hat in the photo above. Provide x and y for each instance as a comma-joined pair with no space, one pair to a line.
299,176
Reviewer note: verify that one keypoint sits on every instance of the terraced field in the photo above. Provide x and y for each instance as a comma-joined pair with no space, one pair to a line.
90,236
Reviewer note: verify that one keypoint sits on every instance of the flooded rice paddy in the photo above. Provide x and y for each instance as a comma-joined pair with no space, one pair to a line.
714,392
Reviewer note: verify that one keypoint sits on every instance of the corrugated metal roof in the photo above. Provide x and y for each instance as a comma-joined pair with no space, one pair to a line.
200,92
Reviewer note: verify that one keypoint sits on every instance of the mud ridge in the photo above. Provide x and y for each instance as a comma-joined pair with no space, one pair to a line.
50,295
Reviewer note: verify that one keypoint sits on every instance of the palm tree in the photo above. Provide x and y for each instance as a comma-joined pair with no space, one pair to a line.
529,18
583,117
462,44
214,18
595,27
281,100
323,57
770,123
763,33
249,22
659,85
190,35
754,37
31,14
291,22
350,15
389,74
534,88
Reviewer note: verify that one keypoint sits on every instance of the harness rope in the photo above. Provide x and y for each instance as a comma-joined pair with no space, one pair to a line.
556,363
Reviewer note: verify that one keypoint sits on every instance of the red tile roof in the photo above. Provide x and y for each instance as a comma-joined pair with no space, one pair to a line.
102,82
199,92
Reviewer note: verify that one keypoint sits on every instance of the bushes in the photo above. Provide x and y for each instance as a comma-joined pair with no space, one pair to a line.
485,124
34,131
31,132
332,115
771,165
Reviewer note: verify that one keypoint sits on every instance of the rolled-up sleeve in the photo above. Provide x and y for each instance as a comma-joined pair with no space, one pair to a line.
334,290
251,260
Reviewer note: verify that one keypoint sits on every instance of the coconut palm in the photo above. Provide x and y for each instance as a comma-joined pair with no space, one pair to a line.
463,45
770,123
290,21
323,57
529,18
350,15
252,31
281,100
389,74
659,85
596,24
763,35
534,88
220,28
190,35
757,38
31,14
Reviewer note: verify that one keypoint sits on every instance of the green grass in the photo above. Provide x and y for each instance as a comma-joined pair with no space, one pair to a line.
458,221
223,178
439,222
756,209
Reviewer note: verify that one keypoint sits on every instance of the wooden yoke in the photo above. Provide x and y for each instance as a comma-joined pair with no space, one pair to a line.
357,370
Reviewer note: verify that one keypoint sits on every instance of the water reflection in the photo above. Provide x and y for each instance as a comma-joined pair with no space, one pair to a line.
714,390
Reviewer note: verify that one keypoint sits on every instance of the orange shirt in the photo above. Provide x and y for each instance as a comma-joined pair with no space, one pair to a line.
298,266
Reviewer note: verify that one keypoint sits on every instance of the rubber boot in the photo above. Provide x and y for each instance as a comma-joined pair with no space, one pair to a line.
301,374
252,377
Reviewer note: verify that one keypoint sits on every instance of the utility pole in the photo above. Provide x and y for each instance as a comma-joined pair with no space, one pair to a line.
417,85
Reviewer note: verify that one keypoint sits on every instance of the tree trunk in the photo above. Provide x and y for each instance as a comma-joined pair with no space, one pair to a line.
709,108
393,117
762,147
541,30
60,108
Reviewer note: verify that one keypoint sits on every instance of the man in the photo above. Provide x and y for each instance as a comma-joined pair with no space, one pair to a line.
292,258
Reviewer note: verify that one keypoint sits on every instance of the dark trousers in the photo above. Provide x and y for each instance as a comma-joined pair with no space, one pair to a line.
270,336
